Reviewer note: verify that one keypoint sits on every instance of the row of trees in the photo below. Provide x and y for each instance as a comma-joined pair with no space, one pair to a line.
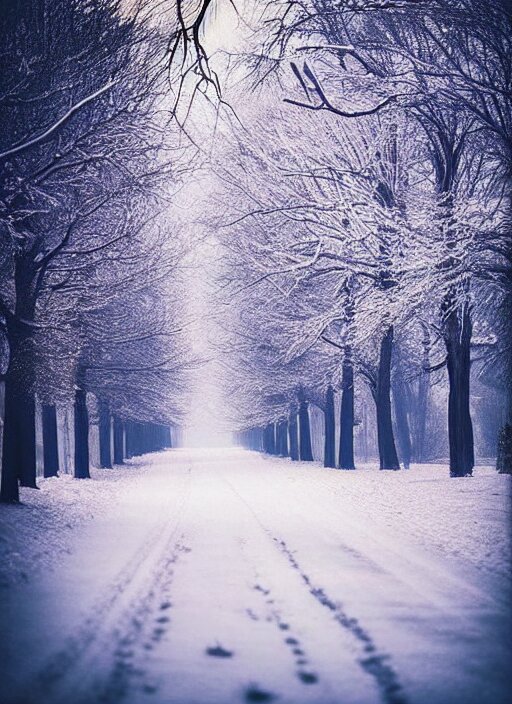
368,235
90,253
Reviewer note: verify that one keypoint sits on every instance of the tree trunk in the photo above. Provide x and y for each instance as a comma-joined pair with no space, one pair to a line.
28,468
504,451
504,455
386,441
346,453
305,451
269,441
104,424
420,419
19,447
293,436
137,439
420,409
19,432
254,439
457,337
144,439
81,435
118,441
402,425
151,442
128,434
282,438
50,441
364,433
132,439
401,407
158,437
66,442
330,432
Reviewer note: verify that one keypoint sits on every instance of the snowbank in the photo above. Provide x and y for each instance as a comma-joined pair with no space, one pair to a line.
35,534
468,518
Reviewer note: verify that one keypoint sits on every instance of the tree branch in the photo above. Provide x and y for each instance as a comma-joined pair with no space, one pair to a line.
36,140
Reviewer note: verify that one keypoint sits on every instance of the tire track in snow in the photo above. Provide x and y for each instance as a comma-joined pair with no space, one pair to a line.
144,624
68,673
374,660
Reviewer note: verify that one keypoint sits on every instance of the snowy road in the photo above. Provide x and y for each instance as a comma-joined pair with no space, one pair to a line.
227,577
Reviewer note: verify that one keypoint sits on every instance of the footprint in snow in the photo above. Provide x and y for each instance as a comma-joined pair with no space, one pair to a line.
219,652
307,677
149,688
255,694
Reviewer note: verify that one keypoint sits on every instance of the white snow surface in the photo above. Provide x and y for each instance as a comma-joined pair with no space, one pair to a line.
222,576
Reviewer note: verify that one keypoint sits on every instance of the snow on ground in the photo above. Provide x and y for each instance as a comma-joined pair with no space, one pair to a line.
37,533
468,518
218,577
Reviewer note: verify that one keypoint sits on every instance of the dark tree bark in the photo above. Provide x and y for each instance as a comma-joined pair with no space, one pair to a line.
305,451
168,437
50,441
330,432
19,433
386,282
420,420
386,441
293,435
402,425
259,439
504,451
19,447
254,439
401,406
137,439
104,421
152,434
145,440
457,327
457,336
158,438
269,440
420,408
27,470
282,438
504,456
118,440
346,450
128,430
163,436
81,435
153,440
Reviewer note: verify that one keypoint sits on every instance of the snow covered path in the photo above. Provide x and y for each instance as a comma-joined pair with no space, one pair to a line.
223,576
